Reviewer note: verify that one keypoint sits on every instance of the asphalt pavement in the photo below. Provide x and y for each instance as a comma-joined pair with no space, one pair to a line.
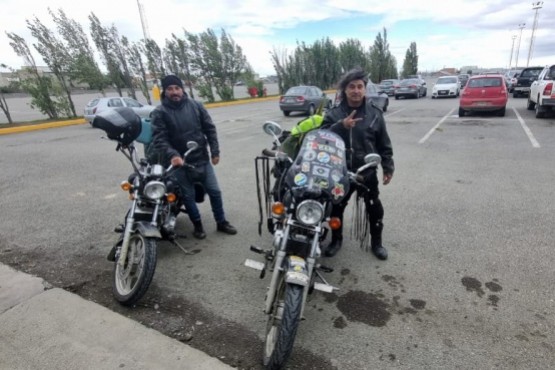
42,327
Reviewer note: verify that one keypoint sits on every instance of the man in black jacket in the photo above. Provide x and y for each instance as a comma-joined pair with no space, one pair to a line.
176,121
361,125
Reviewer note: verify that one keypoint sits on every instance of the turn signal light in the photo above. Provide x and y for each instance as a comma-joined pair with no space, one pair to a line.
335,223
126,186
278,209
171,197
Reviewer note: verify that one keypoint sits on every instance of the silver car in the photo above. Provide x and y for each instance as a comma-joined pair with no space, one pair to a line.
411,87
98,105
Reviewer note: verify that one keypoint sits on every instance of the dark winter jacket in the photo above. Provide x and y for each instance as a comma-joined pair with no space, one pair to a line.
368,136
173,125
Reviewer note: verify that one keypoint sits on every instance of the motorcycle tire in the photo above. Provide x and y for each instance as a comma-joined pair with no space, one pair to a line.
130,283
280,333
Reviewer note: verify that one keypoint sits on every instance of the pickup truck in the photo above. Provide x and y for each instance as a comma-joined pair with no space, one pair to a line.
524,80
542,92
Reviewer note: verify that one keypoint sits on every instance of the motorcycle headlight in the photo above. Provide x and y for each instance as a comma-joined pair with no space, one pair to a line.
155,190
310,212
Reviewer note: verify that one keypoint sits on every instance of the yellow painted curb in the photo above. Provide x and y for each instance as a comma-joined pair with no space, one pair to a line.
41,126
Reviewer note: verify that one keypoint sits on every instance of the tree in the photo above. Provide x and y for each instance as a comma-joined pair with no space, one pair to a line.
32,81
3,102
102,38
410,65
177,59
55,55
119,46
138,67
352,54
154,58
384,65
83,68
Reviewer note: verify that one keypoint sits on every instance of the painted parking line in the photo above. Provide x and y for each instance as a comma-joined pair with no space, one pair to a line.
427,136
389,114
527,131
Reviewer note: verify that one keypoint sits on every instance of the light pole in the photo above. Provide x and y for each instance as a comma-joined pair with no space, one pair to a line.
512,49
521,26
535,6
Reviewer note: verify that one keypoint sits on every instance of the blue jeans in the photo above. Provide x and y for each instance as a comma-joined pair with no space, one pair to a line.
210,183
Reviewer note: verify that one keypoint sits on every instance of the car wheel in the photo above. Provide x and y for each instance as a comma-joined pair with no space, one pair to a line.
530,105
286,113
385,105
433,97
396,97
515,94
540,111
310,110
501,112
425,93
461,112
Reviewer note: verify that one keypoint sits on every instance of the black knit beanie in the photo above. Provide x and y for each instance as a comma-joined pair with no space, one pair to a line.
171,80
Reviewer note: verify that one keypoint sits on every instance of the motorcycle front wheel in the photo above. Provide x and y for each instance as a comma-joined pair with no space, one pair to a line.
282,324
131,282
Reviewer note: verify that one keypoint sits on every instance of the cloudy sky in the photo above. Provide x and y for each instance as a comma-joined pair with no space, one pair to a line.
454,33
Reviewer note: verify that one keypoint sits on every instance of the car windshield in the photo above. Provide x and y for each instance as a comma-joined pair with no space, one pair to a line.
484,82
409,82
93,102
447,80
298,90
387,82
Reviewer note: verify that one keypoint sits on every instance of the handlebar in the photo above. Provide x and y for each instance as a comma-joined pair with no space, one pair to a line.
276,154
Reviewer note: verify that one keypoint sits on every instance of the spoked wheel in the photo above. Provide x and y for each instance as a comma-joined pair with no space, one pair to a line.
282,325
131,282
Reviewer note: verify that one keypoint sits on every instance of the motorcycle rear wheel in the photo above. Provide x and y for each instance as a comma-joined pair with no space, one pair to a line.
131,282
282,325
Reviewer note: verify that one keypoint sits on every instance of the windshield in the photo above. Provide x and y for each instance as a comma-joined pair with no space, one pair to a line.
296,91
320,164
485,82
531,73
447,80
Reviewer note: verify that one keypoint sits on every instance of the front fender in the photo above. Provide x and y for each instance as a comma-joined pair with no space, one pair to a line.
147,230
296,271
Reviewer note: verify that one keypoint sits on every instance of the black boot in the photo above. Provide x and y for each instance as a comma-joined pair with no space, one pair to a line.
198,232
334,246
378,249
225,227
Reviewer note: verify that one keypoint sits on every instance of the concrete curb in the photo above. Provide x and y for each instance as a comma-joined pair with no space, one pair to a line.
49,328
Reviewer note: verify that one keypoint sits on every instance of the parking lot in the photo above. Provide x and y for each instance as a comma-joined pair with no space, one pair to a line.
468,220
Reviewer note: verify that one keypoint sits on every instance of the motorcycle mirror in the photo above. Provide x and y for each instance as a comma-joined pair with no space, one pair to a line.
272,128
372,159
192,145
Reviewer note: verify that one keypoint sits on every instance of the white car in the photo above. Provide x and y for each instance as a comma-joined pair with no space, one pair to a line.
448,86
98,105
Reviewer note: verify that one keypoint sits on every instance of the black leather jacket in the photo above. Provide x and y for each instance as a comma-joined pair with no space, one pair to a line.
368,136
174,124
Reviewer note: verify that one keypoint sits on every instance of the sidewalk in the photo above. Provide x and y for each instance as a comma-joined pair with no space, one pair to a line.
45,328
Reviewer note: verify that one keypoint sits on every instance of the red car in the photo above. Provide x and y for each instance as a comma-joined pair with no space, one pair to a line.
486,93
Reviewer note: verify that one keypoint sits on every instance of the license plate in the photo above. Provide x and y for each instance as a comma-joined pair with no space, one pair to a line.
481,103
443,92
254,264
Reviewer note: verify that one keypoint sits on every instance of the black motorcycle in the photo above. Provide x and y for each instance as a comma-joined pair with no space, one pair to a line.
298,196
155,204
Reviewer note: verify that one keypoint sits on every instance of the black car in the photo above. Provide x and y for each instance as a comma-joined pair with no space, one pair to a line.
463,77
411,87
373,92
524,80
305,99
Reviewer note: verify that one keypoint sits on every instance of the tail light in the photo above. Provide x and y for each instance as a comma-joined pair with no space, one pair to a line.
281,99
413,86
548,89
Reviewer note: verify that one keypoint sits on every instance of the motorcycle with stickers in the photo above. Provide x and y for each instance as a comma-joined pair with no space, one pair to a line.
155,204
298,206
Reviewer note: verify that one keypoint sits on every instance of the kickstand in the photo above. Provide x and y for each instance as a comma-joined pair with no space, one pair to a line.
185,250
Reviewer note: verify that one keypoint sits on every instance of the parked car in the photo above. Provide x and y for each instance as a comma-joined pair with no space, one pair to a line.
388,86
463,77
411,87
374,93
542,93
303,99
511,78
98,105
525,79
484,93
447,86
